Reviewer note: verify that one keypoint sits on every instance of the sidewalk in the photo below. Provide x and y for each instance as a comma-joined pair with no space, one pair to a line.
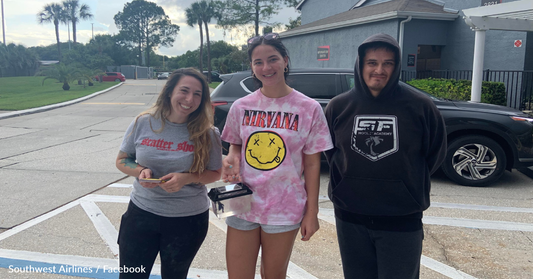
79,239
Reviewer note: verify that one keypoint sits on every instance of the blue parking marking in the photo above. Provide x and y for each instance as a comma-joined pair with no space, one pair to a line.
33,267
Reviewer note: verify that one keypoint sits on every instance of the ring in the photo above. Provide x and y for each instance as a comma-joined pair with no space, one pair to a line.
230,166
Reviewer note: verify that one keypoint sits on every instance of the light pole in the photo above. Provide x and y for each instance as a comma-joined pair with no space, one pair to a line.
92,30
3,27
68,26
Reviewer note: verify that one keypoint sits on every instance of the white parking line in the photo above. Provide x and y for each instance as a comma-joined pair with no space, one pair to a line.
444,269
478,224
105,228
109,234
119,185
37,220
106,198
481,207
328,215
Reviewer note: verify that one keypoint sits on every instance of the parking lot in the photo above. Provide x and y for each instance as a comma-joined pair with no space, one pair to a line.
62,199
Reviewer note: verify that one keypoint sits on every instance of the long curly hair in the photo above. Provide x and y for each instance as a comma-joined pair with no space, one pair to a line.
199,122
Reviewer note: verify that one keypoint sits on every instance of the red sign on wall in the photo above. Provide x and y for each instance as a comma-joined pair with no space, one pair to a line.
517,43
323,53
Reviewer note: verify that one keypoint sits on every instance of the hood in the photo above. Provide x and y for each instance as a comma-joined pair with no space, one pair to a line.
487,108
360,85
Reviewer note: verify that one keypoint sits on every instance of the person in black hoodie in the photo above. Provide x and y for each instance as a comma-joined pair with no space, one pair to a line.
388,139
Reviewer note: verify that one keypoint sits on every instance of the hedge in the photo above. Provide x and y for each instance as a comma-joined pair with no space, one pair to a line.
491,92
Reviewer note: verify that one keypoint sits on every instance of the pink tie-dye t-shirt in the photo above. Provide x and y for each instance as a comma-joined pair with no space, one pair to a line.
275,133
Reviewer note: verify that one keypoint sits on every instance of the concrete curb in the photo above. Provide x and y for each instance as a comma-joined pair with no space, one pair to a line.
54,106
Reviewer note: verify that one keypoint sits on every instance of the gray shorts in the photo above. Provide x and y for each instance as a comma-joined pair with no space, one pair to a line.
243,225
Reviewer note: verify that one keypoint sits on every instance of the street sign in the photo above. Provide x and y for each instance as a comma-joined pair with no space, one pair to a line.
517,43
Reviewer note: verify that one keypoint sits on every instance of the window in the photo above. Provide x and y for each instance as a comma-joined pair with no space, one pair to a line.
318,86
350,81
250,84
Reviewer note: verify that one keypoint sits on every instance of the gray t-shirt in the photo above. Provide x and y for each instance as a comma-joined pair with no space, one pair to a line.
167,152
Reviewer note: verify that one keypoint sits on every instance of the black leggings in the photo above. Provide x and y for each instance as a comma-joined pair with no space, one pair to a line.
143,234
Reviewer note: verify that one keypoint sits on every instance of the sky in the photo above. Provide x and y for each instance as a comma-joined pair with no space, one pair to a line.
22,27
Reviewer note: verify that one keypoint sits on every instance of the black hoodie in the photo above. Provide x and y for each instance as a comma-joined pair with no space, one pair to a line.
386,147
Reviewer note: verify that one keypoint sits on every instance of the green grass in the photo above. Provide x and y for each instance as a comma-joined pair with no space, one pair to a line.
17,93
214,84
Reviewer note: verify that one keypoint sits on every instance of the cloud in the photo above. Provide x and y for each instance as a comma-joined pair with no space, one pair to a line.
22,26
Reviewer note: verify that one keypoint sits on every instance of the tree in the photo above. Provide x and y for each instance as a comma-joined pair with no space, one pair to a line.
207,12
121,52
188,59
56,14
74,12
62,73
239,60
221,48
16,60
193,17
294,23
201,13
87,75
146,26
232,13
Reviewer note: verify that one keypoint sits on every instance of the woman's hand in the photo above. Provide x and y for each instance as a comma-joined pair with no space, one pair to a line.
231,165
175,181
312,183
147,173
309,226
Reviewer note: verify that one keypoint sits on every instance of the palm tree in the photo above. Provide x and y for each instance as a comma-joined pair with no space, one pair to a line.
87,74
56,14
74,12
207,12
62,73
193,17
17,60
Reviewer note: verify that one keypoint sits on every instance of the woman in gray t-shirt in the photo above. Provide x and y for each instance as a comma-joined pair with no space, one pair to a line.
174,141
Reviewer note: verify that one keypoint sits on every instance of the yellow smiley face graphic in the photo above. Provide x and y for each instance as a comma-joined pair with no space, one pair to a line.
265,150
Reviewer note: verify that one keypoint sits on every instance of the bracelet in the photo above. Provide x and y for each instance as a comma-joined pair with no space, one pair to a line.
143,169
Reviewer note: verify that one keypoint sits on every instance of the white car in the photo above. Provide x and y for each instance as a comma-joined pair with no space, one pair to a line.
163,75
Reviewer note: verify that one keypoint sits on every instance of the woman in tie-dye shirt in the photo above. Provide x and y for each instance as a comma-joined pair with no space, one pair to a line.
276,135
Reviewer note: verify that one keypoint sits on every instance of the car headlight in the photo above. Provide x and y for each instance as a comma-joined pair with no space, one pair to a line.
519,118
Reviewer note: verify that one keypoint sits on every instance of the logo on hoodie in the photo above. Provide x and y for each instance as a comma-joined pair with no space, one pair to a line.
375,136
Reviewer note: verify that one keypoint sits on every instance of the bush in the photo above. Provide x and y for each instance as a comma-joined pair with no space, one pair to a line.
491,92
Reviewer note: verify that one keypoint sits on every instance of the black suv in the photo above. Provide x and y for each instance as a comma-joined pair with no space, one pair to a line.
483,140
215,76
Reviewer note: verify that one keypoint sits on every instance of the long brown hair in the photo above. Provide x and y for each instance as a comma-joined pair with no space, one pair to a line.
199,122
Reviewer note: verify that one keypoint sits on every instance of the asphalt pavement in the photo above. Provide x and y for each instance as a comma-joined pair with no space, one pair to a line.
62,199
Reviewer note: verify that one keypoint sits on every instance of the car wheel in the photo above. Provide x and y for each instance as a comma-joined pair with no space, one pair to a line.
117,79
474,161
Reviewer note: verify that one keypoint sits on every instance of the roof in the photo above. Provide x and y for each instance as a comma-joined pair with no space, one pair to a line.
517,15
418,9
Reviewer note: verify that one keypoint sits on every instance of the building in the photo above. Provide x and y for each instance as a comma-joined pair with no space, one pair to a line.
432,33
